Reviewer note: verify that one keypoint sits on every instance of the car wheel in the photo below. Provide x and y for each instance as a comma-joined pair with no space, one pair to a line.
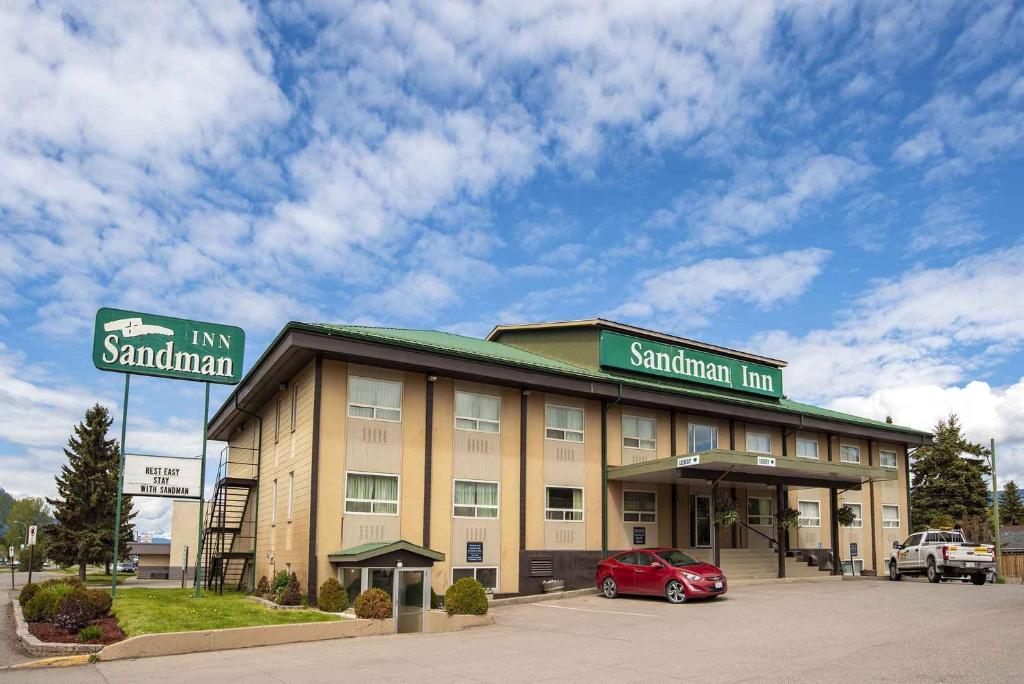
894,573
978,579
674,592
609,589
934,576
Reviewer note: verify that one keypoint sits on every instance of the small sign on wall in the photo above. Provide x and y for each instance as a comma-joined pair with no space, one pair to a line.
474,552
639,536
853,549
766,461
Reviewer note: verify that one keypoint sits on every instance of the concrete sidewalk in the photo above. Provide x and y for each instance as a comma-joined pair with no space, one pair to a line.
11,652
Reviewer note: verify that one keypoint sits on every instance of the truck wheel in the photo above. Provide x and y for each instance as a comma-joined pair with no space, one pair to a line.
934,576
978,580
894,573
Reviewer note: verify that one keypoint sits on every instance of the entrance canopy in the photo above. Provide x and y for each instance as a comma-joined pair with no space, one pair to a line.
386,554
723,465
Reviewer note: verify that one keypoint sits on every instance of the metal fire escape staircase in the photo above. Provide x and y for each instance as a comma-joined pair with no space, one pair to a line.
229,529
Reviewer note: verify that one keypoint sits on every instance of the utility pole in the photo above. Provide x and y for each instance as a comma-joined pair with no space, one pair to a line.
995,507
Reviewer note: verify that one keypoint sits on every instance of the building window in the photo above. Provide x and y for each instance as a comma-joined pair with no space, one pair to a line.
477,412
374,399
273,502
485,576
277,420
476,499
371,493
810,513
291,489
759,442
855,568
564,503
807,448
887,459
703,438
295,403
639,507
639,433
849,454
858,519
759,510
564,423
890,516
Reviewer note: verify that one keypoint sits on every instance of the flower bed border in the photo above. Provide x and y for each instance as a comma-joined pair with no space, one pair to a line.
274,606
33,645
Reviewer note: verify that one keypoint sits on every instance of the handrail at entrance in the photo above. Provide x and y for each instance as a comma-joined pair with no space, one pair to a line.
771,542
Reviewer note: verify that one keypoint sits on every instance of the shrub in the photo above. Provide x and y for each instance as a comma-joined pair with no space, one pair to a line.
279,582
89,633
100,601
466,597
27,592
263,587
845,515
373,604
72,581
332,597
43,606
74,611
436,600
291,594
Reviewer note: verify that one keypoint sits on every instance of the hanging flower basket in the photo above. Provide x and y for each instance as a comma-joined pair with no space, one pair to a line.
845,515
788,518
727,512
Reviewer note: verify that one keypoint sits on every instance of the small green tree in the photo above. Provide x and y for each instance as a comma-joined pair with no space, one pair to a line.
1011,508
24,513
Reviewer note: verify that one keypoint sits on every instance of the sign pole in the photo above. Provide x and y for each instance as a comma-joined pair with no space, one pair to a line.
995,508
202,492
120,486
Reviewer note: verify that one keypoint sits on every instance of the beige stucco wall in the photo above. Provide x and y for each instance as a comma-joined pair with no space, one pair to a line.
184,531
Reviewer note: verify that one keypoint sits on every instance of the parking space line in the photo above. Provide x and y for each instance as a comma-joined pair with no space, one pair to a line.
589,610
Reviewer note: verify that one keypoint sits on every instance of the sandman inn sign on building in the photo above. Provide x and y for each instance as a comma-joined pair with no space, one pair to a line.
683,363
147,344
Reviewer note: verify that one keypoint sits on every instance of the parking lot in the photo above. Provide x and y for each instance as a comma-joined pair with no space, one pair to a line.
864,630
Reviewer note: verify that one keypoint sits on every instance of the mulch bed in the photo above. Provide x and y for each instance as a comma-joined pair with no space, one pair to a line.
44,631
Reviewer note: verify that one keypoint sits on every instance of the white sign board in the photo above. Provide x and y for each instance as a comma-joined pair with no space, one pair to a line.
162,476
31,535
687,461
766,461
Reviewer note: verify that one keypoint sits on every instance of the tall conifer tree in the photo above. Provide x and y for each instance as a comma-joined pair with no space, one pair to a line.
1011,508
948,478
87,497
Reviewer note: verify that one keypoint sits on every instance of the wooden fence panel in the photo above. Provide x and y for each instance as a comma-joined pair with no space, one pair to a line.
1012,564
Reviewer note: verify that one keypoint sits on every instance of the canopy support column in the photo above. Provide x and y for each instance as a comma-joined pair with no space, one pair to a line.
833,506
780,503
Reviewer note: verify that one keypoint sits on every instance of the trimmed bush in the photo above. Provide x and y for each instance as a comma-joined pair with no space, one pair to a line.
27,592
74,611
373,604
279,582
43,606
466,597
436,600
332,597
73,581
262,587
89,633
100,601
291,594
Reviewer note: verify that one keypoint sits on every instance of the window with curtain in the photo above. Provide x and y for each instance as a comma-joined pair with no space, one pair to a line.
810,513
807,448
477,412
890,515
858,520
849,454
703,438
759,511
759,442
639,507
564,503
476,499
375,399
639,433
369,493
887,459
564,423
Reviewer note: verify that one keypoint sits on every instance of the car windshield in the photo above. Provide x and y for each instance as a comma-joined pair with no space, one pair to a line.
677,558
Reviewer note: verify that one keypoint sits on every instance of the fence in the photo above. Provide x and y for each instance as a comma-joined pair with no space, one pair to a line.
1012,563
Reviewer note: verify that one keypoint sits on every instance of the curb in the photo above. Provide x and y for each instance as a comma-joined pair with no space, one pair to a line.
46,648
536,598
56,661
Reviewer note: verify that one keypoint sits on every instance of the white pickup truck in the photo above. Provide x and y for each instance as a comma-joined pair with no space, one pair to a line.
940,554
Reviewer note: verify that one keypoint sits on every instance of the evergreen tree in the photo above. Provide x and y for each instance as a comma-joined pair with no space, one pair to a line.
1011,508
87,497
948,478
23,514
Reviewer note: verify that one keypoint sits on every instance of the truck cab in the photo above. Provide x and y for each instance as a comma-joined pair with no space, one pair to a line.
941,554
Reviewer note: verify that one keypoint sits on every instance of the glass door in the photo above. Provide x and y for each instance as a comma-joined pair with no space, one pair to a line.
702,528
410,601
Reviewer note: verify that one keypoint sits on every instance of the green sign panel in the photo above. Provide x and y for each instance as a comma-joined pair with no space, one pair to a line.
683,363
145,344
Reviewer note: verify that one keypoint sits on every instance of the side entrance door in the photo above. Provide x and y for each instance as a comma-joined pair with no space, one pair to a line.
700,534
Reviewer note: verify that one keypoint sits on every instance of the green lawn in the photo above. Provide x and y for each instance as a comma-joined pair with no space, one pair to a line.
149,611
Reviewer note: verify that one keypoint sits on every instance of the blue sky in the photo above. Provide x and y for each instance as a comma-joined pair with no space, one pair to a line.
836,184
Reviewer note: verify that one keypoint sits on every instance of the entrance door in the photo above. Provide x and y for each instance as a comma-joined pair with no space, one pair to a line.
702,529
759,517
410,601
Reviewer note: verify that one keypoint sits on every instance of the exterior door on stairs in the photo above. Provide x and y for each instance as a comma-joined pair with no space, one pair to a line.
760,518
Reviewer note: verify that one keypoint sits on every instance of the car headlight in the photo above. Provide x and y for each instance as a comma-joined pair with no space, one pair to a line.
690,576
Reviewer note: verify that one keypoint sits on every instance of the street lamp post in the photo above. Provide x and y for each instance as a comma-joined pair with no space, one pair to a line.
995,507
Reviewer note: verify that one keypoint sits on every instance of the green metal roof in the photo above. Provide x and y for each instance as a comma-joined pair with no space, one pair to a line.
495,352
374,549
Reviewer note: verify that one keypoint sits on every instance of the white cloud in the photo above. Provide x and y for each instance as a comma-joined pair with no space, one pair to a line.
946,224
695,291
924,145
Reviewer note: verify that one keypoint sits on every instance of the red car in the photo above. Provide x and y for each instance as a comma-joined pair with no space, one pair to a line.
659,572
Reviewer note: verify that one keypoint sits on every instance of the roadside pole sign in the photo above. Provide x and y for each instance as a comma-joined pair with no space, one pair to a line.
135,343
32,534
10,552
